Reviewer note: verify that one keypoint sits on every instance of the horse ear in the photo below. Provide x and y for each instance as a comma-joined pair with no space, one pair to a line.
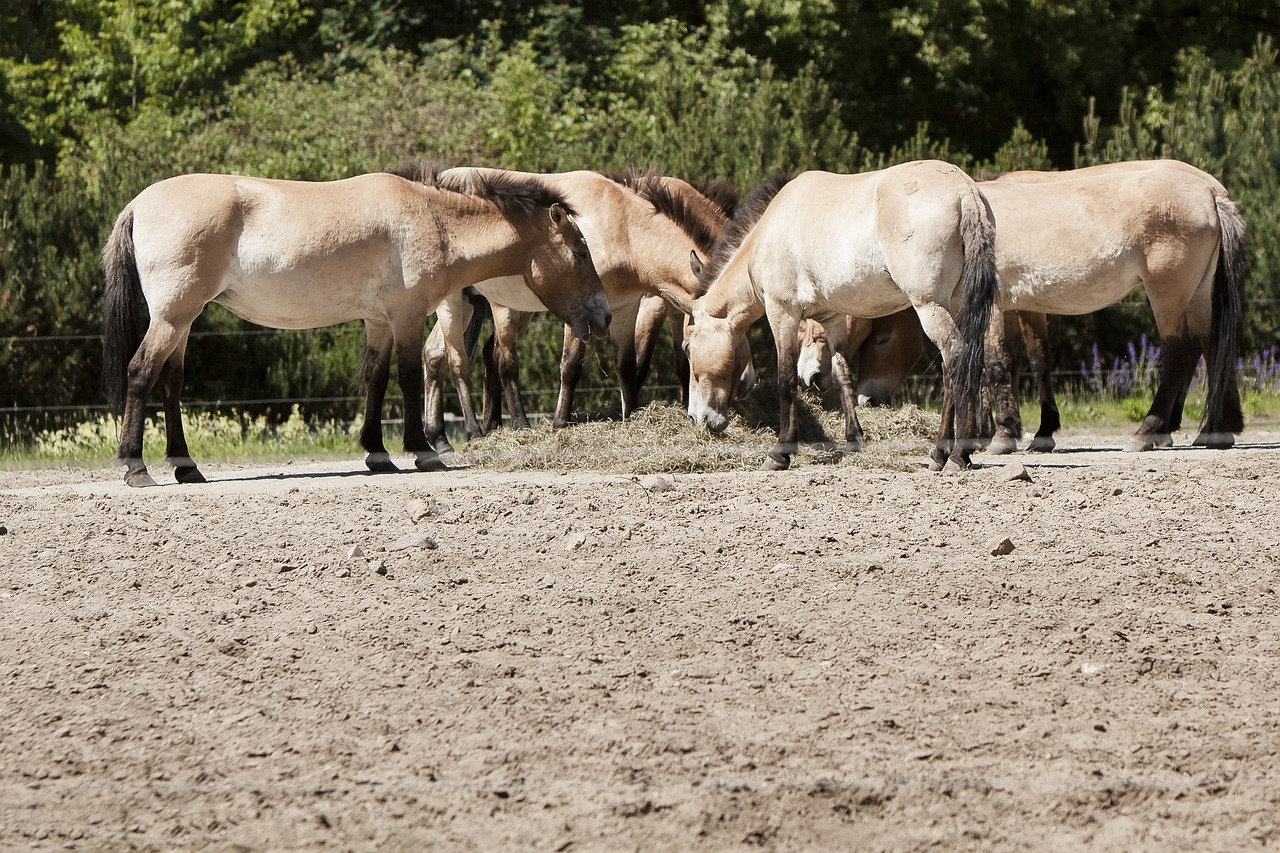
695,263
558,216
678,300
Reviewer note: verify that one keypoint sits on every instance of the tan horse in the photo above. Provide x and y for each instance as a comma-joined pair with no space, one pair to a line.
887,349
824,246
296,255
642,230
1078,241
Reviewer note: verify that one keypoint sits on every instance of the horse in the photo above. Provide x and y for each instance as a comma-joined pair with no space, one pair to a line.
385,248
1077,241
643,229
887,348
817,245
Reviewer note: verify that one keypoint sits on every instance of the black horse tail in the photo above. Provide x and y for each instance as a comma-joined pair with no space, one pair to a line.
480,311
980,293
1223,416
124,320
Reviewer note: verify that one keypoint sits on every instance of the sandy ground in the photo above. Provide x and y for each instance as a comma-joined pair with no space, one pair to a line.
298,656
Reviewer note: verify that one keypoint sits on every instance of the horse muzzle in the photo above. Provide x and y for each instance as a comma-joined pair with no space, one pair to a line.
592,320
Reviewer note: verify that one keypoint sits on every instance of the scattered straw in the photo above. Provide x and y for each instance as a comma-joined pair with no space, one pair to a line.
660,438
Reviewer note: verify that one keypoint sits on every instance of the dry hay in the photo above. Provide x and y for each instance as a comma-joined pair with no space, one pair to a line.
660,439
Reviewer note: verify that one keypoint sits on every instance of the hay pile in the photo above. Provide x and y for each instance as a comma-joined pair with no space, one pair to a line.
660,439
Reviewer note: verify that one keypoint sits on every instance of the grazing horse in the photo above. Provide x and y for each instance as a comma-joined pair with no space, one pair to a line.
823,246
1075,242
384,248
642,230
887,348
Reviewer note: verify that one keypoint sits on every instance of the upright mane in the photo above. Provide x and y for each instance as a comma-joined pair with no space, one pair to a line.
512,193
744,219
702,222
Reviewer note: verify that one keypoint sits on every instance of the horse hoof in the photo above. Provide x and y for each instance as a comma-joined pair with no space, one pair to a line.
772,463
953,466
188,474
1041,444
1139,444
138,479
1002,445
430,464
1215,440
852,447
1163,440
380,463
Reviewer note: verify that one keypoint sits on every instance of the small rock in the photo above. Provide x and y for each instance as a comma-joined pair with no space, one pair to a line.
1015,471
527,498
312,629
419,509
355,551
344,572
414,540
3,530
999,547
281,568
576,542
378,566
657,483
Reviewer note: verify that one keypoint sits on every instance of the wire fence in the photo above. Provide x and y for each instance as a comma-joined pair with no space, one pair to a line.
923,385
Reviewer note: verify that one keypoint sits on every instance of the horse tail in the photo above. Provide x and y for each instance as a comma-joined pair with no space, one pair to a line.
980,292
124,319
1222,407
480,311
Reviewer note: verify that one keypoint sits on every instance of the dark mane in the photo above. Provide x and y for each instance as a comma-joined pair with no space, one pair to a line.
701,225
512,193
744,219
721,192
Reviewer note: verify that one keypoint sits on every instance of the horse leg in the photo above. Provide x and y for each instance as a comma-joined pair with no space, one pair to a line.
158,344
433,359
839,343
375,371
958,434
508,327
786,333
1180,354
491,406
571,359
1002,380
454,316
176,452
1035,332
408,344
680,359
649,319
622,332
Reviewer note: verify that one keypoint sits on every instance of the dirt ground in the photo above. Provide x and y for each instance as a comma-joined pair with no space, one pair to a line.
301,656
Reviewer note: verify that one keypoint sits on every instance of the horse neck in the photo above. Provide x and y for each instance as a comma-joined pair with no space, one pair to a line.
732,295
483,243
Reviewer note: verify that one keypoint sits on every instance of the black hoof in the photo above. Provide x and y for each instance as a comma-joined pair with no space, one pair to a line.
380,463
430,463
1215,440
1042,444
188,474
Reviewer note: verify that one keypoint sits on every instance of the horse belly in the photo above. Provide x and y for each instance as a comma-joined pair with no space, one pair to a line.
510,292
864,296
306,298
1080,288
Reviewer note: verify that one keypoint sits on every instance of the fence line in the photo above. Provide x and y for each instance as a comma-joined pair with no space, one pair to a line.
346,329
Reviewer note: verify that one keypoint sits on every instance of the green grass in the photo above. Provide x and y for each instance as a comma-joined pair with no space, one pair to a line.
239,436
